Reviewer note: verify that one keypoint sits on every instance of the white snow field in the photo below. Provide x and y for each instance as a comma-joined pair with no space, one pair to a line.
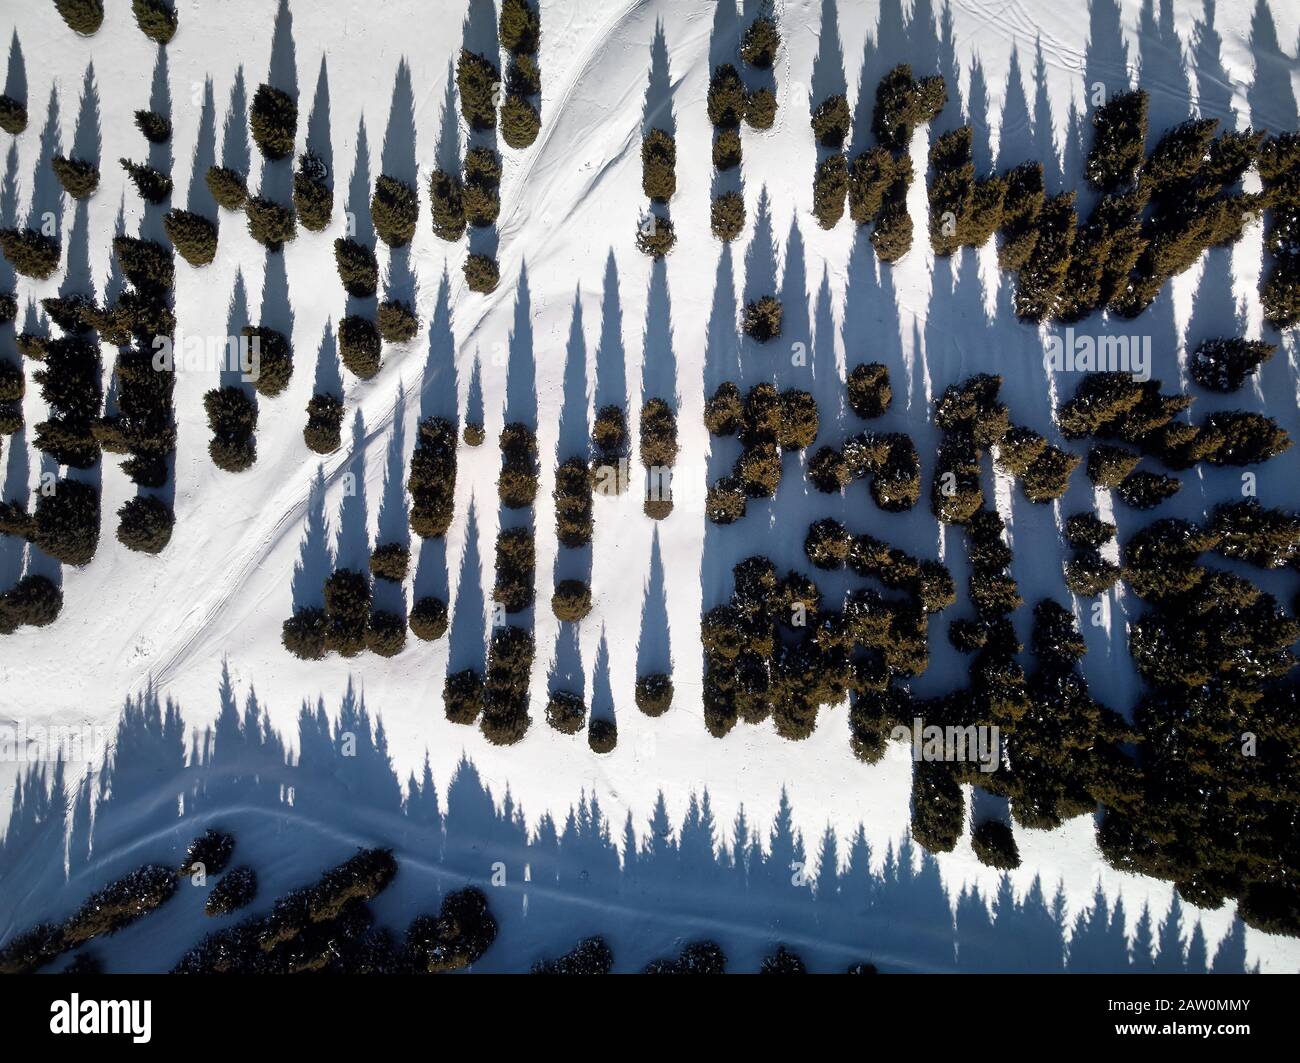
375,87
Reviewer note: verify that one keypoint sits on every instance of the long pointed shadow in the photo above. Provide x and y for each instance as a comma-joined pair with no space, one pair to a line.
77,277
9,211
658,110
467,645
1015,129
236,148
1105,58
474,412
828,78
760,280
397,159
653,647
47,194
16,72
1046,149
361,226
283,72
237,318
1270,96
602,691
329,375
724,38
439,387
315,561
611,357
199,198
978,116
521,372
277,309
320,142
393,518
448,151
1162,70
239,771
352,547
659,362
15,489
573,440
954,112
1213,83
479,35
160,155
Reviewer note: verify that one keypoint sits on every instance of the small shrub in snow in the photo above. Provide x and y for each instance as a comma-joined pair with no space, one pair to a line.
347,612
727,150
520,122
304,634
762,318
390,561
82,16
727,216
397,322
313,199
154,127
273,119
428,619
66,522
831,120
760,42
13,115
462,696
571,600
447,207
654,694
228,187
659,165
726,102
194,237
385,633
156,19
358,268
477,79
565,712
359,346
589,956
76,177
145,524
395,208
482,273
323,432
32,254
602,736
269,223
236,889
463,930
760,109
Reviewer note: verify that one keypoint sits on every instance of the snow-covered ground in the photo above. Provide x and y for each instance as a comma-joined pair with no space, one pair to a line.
576,292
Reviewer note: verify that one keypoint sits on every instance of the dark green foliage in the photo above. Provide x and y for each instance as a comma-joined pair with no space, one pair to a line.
1119,136
726,102
13,115
520,27
517,481
699,957
390,561
313,199
520,122
1227,437
385,633
760,42
70,383
477,78
1022,202
1179,156
446,205
34,601
154,127
1088,530
1109,465
782,962
589,956
868,388
304,634
505,692
474,434
1088,573
655,235
602,736
235,890
322,432
156,19
273,119
8,308
347,612
232,416
228,187
1224,364
82,16
573,505
119,904
273,361
462,932
872,175
193,236
209,853
432,480
515,570
357,266
462,696
658,434
152,185
482,189
659,165
830,187
397,322
565,712
270,224
32,254
760,109
892,236
1041,280
726,501
727,150
428,618
1048,475
799,420
395,208
762,318
481,273
359,346
827,544
828,471
723,412
79,179
147,264
1146,490
524,76
831,121
903,103
1249,532
145,524
995,845
72,313
654,694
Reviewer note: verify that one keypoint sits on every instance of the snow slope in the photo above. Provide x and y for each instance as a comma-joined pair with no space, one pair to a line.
575,291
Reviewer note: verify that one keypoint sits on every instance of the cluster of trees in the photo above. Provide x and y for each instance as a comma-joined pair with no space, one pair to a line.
1087,572
1224,364
768,423
964,210
348,624
775,650
659,453
117,905
65,525
1116,406
432,479
1279,170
